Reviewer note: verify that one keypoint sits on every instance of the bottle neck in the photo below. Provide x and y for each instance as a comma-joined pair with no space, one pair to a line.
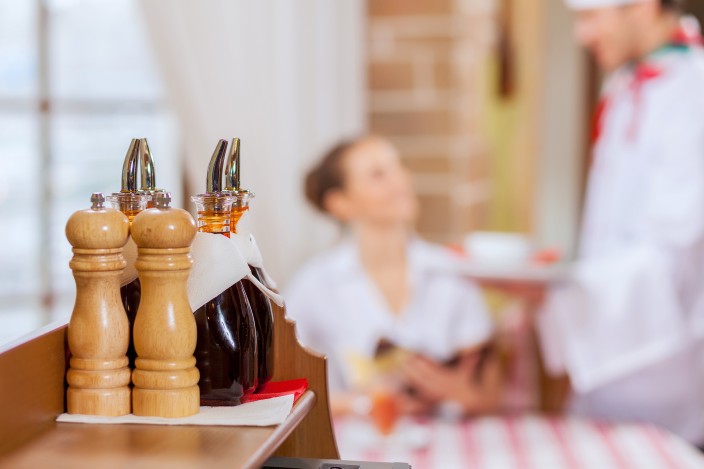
130,214
213,213
239,206
235,216
210,221
129,203
152,195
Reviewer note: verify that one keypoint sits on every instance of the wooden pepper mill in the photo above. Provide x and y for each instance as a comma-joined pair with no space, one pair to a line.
98,332
165,376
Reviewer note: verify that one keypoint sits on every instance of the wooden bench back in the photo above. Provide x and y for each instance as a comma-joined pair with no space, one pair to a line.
32,389
31,386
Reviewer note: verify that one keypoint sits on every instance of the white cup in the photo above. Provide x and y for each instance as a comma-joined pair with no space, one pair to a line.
497,248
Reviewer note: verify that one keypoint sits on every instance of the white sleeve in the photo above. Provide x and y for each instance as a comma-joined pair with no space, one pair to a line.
614,317
620,314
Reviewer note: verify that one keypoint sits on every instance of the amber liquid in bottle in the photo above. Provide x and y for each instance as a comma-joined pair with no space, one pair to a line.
263,315
226,348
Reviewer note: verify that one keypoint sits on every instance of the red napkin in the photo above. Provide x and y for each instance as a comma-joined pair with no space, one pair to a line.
279,388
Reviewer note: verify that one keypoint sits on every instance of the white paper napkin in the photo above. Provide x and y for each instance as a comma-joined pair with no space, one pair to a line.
248,248
267,278
262,413
217,265
275,297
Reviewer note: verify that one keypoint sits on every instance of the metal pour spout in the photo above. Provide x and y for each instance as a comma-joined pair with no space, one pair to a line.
129,201
130,166
148,179
213,182
232,167
233,176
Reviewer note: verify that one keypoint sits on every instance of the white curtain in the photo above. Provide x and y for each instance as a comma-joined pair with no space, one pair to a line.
287,77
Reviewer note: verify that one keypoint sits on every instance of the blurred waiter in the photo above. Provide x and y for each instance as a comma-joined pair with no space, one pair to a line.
628,326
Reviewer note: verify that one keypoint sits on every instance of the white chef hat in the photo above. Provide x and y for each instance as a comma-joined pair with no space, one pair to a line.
589,4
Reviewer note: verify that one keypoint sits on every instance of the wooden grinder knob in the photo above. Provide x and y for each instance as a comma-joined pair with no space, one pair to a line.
165,376
98,332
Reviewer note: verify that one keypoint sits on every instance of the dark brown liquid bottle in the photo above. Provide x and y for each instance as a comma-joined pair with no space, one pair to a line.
226,348
261,305
264,322
131,295
132,292
130,201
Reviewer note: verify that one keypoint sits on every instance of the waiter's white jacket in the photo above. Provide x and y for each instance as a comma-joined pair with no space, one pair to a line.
628,325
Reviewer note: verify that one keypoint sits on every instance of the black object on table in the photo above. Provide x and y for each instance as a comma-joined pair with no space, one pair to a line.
303,463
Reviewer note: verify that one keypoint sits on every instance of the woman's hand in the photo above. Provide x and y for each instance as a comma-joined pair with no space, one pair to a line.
412,404
436,383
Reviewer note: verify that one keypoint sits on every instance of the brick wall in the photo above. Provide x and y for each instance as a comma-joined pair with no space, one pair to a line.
425,64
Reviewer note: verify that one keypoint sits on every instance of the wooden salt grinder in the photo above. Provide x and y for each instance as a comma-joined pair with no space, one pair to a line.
165,376
98,332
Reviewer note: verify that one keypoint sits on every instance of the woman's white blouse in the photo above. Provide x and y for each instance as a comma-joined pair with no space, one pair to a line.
340,312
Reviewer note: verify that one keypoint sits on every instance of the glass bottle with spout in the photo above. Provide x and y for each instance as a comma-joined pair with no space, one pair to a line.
226,349
130,201
261,305
148,175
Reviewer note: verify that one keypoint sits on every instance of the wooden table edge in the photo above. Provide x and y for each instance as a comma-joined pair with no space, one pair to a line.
300,410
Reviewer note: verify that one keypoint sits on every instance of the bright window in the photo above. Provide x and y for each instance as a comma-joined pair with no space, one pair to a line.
78,80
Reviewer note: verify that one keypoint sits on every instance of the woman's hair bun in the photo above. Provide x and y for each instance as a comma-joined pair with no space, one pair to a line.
327,175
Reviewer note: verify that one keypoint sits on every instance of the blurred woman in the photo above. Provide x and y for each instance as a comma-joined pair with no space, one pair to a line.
383,288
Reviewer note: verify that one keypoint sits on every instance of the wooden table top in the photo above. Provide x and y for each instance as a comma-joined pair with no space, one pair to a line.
155,446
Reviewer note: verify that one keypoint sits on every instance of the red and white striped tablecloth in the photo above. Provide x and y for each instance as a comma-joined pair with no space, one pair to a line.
520,442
